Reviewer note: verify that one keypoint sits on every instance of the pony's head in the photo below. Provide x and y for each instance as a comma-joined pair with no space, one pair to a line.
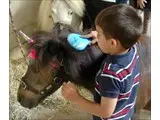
62,11
45,70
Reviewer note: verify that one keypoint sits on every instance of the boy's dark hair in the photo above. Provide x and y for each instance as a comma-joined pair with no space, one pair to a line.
120,22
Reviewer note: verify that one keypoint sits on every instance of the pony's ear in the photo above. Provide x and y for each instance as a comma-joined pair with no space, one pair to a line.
40,37
45,46
47,52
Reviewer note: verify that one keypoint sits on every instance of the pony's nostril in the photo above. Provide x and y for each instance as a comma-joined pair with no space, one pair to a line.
19,99
31,105
26,103
23,78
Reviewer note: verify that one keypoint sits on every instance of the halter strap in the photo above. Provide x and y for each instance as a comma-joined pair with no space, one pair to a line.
58,79
45,90
48,89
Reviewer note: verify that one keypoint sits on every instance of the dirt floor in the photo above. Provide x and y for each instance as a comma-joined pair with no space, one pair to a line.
54,107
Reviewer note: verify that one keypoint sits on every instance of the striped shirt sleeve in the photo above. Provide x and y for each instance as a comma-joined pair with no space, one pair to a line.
109,87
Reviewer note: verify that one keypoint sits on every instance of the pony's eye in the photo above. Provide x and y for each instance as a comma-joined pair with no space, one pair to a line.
57,80
70,12
50,16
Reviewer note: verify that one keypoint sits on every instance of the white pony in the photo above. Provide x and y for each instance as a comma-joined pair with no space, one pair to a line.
63,11
69,12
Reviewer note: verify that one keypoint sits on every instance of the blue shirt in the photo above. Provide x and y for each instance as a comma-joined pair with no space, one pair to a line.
119,78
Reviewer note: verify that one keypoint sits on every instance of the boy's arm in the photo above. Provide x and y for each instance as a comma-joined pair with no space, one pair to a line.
104,109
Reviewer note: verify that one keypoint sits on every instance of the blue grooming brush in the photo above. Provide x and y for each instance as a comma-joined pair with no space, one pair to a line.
77,42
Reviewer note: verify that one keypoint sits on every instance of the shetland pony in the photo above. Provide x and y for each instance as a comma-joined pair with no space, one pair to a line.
54,61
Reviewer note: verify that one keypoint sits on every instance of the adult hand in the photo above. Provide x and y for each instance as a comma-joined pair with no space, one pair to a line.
141,3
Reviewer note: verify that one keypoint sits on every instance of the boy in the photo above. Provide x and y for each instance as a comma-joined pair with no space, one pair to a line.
118,28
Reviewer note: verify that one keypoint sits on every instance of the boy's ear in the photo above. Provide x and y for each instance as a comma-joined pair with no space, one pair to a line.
114,42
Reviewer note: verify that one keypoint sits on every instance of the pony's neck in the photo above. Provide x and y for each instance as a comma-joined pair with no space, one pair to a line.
83,66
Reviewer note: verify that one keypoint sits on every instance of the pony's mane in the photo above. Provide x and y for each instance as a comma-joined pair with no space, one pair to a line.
79,65
49,43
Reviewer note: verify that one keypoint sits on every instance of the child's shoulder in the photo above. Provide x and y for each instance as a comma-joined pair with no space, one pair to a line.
111,67
116,63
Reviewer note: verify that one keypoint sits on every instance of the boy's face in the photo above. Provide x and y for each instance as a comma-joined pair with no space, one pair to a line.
106,45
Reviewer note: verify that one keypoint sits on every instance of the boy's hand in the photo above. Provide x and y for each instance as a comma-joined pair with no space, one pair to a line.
70,92
92,34
141,3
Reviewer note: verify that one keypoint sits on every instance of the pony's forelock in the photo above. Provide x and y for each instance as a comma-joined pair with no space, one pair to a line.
48,44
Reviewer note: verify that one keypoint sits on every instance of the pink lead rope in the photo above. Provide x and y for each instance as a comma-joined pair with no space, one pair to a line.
26,37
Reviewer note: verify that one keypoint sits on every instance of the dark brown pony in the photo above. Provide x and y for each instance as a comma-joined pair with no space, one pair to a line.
55,61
